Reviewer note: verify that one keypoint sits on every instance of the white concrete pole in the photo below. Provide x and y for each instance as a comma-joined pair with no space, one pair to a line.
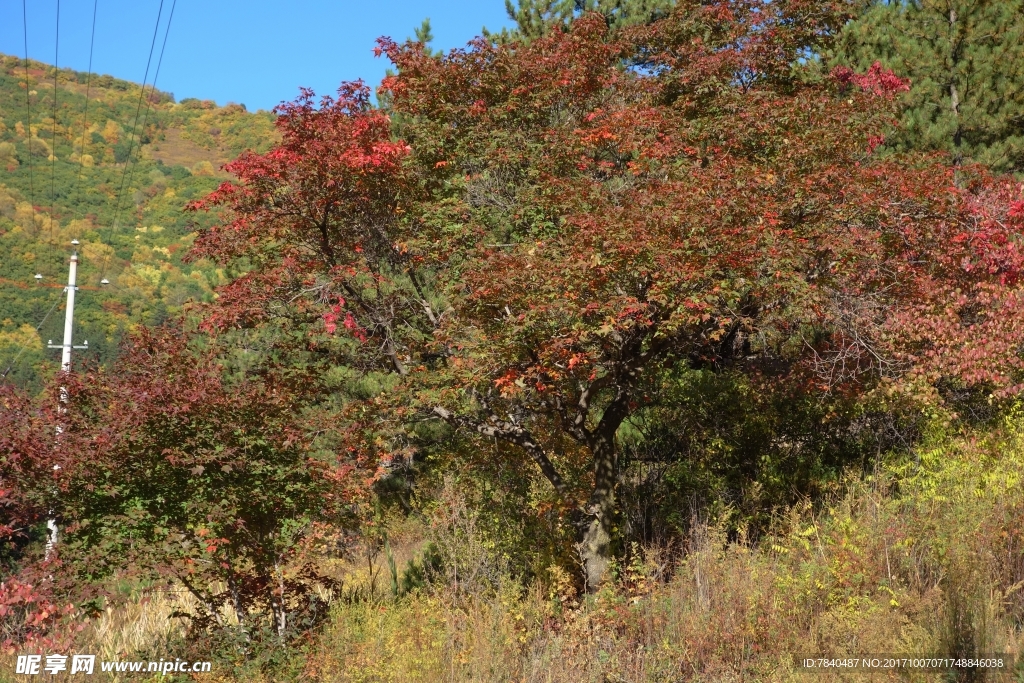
69,316
69,324
65,366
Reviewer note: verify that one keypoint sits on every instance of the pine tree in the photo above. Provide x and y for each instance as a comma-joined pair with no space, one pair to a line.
965,59
535,18
424,33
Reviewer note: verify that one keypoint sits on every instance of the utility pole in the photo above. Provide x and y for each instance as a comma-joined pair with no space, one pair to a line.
65,366
69,321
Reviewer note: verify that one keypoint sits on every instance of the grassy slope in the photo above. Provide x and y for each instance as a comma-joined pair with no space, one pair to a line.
49,196
924,558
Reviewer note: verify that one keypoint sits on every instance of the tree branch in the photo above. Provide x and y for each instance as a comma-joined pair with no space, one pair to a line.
423,297
512,433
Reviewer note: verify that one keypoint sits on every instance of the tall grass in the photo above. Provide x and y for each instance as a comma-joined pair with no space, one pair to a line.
925,557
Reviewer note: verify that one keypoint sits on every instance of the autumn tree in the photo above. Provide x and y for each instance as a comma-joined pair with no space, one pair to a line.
174,468
965,61
531,234
33,610
24,453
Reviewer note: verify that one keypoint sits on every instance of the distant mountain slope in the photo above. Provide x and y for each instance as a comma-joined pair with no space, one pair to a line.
120,194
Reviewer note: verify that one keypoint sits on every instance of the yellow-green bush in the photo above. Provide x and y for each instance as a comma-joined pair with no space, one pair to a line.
924,557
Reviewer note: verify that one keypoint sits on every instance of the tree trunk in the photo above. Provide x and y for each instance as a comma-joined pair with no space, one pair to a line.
954,99
597,544
236,603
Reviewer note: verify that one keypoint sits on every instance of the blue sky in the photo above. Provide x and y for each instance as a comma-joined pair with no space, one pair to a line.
256,52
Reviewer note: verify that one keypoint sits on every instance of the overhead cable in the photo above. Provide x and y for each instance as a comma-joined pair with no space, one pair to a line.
88,90
13,363
28,115
149,104
53,137
131,139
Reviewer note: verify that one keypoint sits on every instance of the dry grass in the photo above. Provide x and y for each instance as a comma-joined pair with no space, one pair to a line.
139,629
933,568
934,565
175,150
730,613
137,626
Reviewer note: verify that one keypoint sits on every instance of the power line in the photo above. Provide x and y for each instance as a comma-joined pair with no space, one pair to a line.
149,104
88,90
28,108
31,181
131,139
53,137
3,377
134,162
85,115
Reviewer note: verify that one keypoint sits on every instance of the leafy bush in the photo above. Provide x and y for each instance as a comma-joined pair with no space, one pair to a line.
175,470
923,557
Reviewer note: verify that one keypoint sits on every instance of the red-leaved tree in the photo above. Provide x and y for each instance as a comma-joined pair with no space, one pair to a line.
33,611
529,234
177,466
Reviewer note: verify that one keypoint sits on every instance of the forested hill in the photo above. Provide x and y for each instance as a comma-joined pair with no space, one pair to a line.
67,172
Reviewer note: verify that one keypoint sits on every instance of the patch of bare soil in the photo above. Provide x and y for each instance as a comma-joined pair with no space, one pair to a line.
175,150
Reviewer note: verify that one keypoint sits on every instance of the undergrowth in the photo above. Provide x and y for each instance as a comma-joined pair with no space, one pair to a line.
926,556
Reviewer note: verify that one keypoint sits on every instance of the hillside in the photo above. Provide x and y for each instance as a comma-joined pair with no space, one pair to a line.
626,355
62,179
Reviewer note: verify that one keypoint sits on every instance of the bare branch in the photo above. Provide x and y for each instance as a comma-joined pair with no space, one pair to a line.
511,433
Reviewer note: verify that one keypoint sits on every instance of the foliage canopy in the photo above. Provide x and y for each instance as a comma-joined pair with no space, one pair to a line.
532,234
